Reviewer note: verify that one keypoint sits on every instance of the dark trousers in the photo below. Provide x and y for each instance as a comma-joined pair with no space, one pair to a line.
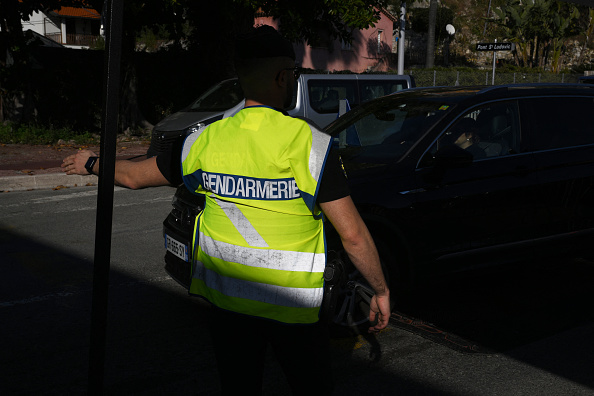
240,344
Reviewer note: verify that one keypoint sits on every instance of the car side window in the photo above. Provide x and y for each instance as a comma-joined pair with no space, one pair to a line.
386,132
488,131
371,89
560,122
324,95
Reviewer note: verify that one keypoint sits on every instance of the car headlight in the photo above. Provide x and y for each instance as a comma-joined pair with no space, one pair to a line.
194,128
202,124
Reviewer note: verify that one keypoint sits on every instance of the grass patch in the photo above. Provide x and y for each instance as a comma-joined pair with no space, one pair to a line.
34,134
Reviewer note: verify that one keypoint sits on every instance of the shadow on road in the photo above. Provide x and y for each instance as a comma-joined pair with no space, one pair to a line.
157,338
511,306
45,309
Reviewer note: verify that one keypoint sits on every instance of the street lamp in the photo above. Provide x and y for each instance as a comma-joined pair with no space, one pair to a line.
450,29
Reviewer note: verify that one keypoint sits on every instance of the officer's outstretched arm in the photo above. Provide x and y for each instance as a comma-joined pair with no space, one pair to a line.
134,175
358,244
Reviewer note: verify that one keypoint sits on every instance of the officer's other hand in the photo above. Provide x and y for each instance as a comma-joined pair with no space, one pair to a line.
379,313
75,164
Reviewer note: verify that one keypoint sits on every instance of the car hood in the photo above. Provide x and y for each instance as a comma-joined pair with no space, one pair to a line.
183,119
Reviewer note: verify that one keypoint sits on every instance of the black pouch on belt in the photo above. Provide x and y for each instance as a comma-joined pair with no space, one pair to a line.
334,280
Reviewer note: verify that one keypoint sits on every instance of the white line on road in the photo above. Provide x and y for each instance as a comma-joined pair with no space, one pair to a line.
62,294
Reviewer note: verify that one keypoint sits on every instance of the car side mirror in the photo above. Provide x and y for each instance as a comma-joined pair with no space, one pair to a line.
449,157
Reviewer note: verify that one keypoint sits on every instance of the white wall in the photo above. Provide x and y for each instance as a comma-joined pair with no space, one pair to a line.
39,23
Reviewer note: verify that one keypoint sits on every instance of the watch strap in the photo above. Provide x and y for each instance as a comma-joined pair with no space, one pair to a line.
90,164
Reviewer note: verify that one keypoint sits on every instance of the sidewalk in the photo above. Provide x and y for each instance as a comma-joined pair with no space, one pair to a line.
31,167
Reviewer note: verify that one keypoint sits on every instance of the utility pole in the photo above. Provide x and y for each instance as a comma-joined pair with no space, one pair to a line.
401,39
101,264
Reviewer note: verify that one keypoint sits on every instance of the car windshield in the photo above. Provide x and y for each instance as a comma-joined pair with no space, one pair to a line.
220,97
384,130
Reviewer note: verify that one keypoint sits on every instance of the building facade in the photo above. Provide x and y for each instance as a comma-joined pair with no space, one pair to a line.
69,26
372,49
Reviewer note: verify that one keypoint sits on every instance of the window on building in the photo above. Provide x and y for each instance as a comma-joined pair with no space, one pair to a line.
379,41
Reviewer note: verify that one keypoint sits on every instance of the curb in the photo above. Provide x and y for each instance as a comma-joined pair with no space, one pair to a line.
52,180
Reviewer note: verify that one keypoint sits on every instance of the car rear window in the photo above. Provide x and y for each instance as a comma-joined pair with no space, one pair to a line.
371,89
324,95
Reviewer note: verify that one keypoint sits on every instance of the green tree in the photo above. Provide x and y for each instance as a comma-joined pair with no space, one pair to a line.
305,20
563,26
588,32
514,21
540,29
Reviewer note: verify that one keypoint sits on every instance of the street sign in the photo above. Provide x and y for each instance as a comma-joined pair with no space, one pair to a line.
495,46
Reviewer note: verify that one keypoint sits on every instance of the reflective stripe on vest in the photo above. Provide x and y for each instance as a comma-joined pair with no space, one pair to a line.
295,297
263,258
242,224
261,247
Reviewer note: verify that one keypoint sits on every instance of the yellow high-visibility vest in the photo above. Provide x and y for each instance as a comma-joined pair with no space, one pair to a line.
259,246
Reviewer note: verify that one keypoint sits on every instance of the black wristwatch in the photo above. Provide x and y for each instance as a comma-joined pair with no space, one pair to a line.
90,164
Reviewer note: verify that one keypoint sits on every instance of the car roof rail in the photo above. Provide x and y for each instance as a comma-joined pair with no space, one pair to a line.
508,87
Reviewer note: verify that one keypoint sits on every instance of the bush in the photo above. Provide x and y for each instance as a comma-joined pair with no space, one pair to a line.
35,134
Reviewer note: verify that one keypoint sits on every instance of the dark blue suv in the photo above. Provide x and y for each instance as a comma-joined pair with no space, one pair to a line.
451,179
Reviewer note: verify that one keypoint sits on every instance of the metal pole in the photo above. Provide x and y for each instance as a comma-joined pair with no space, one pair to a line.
401,39
111,77
494,59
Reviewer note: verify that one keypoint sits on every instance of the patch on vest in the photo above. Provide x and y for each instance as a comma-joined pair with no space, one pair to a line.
233,186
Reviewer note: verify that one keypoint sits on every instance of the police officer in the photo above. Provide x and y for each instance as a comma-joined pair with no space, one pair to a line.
269,180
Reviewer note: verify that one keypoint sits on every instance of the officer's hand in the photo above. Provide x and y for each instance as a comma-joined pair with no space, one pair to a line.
379,312
75,164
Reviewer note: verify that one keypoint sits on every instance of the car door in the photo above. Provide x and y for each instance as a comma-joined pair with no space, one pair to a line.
561,133
482,205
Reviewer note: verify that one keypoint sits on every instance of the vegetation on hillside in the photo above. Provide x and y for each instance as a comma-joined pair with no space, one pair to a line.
550,35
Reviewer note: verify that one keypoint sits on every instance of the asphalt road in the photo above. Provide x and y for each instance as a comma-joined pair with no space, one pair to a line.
521,341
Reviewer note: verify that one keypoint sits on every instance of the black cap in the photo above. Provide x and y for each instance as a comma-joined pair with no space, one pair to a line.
263,42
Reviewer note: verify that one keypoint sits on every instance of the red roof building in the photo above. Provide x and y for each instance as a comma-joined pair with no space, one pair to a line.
74,12
75,27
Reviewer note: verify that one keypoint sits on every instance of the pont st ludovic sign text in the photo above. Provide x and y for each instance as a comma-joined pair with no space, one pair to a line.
494,46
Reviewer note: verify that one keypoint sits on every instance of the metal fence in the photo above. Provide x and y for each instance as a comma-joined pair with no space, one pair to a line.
75,39
433,78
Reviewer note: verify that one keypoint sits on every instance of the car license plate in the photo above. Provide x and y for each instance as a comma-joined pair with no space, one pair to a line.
176,248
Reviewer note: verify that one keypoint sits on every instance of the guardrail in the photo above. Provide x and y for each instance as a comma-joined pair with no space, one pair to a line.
86,40
433,78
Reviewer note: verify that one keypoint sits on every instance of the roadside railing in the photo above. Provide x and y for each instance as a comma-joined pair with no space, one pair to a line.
433,78
86,40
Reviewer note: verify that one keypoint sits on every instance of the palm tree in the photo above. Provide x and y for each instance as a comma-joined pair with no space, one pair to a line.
430,59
